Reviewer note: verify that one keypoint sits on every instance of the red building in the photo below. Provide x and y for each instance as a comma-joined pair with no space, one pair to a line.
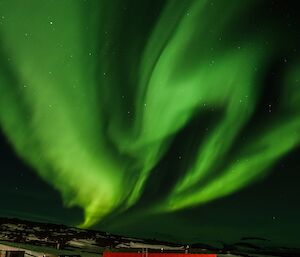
134,254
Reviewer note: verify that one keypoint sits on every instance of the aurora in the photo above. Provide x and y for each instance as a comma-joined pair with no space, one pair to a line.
94,94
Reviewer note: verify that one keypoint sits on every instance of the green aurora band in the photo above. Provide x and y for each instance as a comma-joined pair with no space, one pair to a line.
92,93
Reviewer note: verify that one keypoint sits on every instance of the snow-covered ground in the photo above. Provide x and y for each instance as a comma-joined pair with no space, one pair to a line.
39,251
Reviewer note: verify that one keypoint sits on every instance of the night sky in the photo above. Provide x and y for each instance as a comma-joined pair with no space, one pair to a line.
175,120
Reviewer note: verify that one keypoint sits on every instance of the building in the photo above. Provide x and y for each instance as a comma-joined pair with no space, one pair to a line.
12,253
151,254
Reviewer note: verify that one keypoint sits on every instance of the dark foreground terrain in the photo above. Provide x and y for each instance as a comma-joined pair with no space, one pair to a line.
42,238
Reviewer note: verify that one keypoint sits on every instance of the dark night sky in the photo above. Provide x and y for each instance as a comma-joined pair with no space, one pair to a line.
268,208
41,169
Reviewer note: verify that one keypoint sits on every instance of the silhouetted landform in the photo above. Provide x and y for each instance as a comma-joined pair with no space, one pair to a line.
63,238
